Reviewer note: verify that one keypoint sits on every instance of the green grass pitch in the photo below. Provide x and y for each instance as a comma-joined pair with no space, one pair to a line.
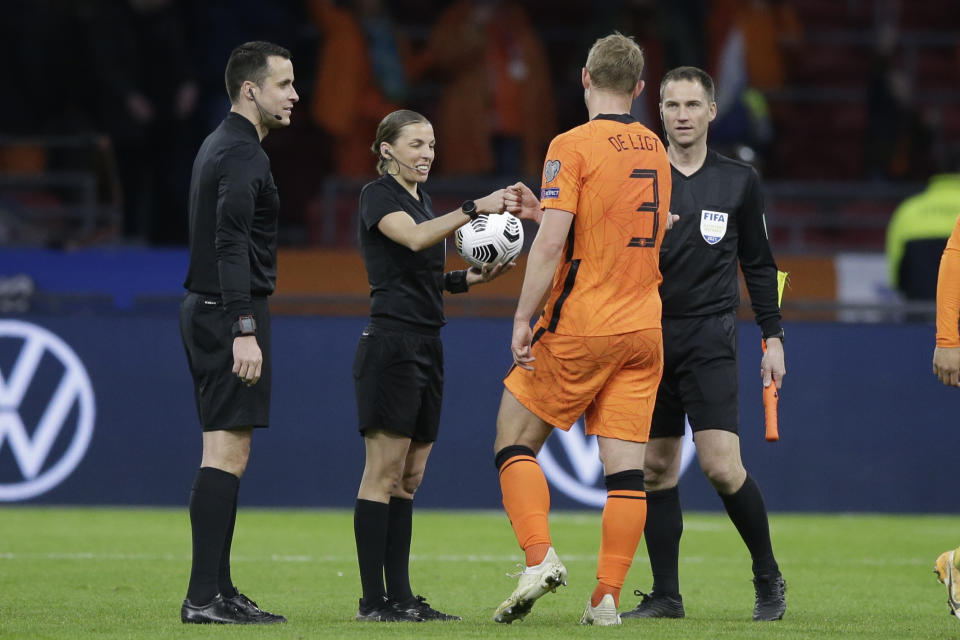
122,573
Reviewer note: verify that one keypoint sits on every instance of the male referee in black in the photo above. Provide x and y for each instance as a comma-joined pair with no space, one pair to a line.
224,317
721,224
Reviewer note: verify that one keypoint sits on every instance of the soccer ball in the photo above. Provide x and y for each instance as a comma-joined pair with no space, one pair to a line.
490,239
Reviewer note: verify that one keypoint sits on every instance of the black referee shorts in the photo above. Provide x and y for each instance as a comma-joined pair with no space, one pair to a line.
398,377
700,376
223,400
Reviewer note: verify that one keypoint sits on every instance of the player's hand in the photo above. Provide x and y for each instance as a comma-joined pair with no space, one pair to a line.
521,202
671,220
492,203
247,359
946,365
520,344
488,272
772,367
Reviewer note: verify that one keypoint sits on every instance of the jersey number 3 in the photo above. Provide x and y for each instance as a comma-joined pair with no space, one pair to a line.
648,207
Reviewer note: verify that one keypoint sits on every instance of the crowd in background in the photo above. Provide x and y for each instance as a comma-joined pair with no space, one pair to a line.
496,77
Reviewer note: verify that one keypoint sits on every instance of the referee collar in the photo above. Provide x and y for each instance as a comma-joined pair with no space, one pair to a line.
622,118
394,184
238,123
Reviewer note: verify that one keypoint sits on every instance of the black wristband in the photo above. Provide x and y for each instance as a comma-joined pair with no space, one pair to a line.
456,281
244,326
778,334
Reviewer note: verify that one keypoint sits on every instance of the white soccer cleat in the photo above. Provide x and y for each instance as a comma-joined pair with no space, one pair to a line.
948,574
534,582
603,615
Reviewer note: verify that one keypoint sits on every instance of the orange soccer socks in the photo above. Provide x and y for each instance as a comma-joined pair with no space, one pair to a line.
526,499
624,516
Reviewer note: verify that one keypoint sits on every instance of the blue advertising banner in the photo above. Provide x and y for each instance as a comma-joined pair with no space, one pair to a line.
98,409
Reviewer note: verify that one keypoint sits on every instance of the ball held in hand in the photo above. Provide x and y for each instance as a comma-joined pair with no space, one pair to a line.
494,238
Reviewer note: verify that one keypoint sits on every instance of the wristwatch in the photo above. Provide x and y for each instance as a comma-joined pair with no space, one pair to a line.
244,326
469,207
778,334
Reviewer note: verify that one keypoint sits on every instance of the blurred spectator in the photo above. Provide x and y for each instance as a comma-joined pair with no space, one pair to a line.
147,99
362,74
772,36
497,110
918,232
752,43
899,138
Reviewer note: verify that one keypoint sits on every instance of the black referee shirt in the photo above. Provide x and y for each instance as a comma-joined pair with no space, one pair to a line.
721,223
405,286
234,208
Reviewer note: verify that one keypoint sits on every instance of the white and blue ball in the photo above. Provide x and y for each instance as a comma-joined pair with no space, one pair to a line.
490,239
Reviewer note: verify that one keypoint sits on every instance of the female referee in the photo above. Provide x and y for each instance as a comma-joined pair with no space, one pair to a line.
398,369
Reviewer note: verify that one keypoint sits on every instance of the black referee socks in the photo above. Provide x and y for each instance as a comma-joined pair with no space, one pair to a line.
396,565
662,533
213,503
749,515
370,525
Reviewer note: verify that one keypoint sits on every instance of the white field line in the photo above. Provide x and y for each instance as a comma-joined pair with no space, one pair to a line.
465,558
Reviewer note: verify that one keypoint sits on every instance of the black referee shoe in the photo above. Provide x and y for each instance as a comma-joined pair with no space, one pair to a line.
254,612
217,611
771,591
419,606
385,611
655,605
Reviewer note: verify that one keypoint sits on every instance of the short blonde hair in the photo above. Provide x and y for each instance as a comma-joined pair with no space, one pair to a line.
615,63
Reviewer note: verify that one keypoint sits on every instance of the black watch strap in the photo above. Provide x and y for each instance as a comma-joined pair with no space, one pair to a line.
469,207
778,334
245,326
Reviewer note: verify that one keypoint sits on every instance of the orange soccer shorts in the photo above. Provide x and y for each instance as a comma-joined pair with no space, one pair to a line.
610,380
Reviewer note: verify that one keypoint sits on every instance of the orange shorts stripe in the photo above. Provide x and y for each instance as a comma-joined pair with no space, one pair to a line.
610,380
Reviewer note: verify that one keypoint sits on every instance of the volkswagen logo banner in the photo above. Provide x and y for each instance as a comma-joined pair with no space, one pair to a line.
571,462
47,410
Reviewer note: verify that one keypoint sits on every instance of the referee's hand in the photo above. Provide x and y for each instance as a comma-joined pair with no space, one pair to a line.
247,359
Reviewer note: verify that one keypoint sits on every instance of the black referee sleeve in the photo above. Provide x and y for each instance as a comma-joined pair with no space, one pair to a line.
756,260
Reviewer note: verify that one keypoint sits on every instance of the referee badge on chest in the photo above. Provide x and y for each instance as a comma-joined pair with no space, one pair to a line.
713,225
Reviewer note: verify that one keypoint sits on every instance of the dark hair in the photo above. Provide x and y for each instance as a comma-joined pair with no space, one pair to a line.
249,62
389,130
691,74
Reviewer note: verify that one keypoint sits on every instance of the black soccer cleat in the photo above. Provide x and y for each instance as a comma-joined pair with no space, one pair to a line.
249,607
385,611
771,591
656,605
217,611
419,606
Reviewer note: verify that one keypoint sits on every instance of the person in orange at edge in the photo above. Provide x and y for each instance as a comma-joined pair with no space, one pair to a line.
597,348
946,355
946,366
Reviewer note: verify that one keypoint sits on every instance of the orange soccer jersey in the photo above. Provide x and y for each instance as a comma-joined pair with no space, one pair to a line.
948,292
612,173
